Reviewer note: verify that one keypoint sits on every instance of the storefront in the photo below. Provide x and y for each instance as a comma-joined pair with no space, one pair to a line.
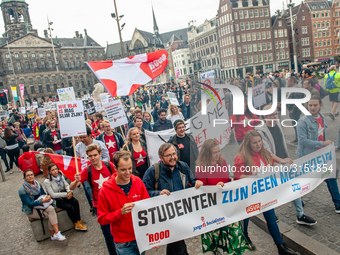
239,73
259,69
269,68
283,65
249,69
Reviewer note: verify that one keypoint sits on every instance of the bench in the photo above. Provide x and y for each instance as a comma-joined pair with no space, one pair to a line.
64,223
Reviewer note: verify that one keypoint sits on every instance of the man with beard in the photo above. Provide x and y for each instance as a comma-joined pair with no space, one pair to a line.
162,123
166,177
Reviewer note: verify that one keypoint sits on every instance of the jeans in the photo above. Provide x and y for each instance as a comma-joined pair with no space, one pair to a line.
295,116
298,207
271,224
333,188
59,152
239,142
108,237
3,154
88,192
129,248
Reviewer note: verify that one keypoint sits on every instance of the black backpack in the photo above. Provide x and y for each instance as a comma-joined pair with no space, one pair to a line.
89,172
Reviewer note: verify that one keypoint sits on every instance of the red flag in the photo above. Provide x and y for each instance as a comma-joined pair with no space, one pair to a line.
67,164
122,77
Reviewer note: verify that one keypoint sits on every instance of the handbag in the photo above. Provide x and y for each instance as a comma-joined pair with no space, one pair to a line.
44,205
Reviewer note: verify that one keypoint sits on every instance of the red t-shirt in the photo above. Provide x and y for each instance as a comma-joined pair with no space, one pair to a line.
239,168
57,146
95,124
321,129
111,145
219,175
240,130
139,157
98,178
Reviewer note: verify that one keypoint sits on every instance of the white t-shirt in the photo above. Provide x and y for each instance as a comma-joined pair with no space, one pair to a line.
175,117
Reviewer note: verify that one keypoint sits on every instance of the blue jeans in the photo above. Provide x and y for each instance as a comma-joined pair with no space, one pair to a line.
239,142
108,237
59,152
88,192
271,224
333,188
129,248
298,207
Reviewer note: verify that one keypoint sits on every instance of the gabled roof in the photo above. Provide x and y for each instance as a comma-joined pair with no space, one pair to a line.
245,3
114,49
319,5
3,40
87,41
181,34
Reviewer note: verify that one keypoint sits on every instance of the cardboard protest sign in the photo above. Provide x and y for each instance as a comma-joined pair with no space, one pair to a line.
209,79
41,112
172,98
71,118
30,114
22,110
98,106
259,96
66,94
156,220
104,98
115,113
3,114
35,105
89,107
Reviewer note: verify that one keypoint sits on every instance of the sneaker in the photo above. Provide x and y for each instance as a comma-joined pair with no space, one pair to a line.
252,246
337,148
58,237
336,114
332,116
284,250
276,219
305,220
80,226
337,209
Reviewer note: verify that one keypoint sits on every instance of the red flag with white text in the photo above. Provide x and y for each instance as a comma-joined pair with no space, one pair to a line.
67,164
122,77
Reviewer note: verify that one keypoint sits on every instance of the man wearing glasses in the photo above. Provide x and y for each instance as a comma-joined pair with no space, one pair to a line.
168,176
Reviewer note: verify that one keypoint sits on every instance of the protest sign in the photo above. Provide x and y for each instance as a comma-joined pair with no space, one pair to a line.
89,107
30,114
3,114
22,86
35,105
66,94
41,112
115,113
259,95
22,110
14,93
104,98
98,106
209,79
156,220
172,98
71,118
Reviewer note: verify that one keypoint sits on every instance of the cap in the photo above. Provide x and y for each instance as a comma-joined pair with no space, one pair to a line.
177,122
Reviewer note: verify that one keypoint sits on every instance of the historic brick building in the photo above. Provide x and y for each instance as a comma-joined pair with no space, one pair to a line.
26,58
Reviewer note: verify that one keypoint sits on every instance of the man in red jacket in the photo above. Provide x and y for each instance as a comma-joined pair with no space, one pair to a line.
36,127
116,200
27,160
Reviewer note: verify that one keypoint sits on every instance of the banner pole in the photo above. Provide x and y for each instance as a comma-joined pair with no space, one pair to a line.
75,153
122,133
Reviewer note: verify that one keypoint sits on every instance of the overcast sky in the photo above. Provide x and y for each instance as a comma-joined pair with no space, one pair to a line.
69,16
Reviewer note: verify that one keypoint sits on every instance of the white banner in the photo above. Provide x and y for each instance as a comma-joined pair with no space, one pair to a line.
98,106
104,98
35,105
259,95
22,110
115,113
154,140
172,98
3,114
202,126
209,79
66,94
187,213
41,112
71,118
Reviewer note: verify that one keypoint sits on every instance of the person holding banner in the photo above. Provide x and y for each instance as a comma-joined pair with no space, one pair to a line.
253,155
115,202
311,132
175,114
229,239
139,152
170,172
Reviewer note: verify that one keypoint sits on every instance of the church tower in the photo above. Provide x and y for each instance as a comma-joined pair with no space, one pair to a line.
155,27
16,18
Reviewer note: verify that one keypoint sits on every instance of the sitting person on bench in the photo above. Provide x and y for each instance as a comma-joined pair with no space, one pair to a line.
29,192
59,190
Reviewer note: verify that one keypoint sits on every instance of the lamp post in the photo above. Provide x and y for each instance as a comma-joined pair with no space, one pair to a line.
293,36
120,28
192,22
49,29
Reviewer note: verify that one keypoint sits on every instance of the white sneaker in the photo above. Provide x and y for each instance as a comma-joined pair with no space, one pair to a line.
58,237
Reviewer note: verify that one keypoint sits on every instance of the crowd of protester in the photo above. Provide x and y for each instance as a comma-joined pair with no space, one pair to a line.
120,172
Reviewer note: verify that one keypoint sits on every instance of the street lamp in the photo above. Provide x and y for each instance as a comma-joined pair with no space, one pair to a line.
290,6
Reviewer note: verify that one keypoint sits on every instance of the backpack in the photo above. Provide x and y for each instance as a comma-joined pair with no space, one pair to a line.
89,172
322,92
330,83
156,166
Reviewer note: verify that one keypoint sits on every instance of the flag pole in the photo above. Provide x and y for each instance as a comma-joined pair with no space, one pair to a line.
121,130
75,153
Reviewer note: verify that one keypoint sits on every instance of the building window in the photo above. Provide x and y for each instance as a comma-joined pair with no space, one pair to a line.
235,15
241,14
256,13
254,47
267,23
242,26
250,48
270,57
18,65
280,23
48,55
252,25
50,64
304,29
35,65
257,24
66,64
250,59
240,61
251,14
72,64
236,27
30,80
256,59
33,55
48,89
247,26
43,64
303,18
269,46
16,55
264,46
245,60
265,58
244,48
32,89
40,89
262,23
280,32
41,55
275,33
27,65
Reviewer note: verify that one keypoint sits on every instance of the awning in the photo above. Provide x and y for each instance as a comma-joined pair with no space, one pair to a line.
314,64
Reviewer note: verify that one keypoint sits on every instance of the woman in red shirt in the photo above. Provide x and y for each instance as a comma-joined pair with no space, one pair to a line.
242,129
220,239
251,156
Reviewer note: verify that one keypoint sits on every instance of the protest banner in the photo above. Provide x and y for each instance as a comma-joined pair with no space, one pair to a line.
22,110
209,79
3,114
104,98
98,106
259,95
89,107
66,94
30,114
41,112
35,105
172,98
154,140
14,93
115,113
156,220
22,90
71,118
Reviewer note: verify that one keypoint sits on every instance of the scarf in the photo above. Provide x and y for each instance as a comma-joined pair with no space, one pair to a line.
58,181
32,189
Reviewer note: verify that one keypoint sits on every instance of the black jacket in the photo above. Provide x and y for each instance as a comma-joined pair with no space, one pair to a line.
164,104
130,148
48,138
66,143
158,127
118,137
